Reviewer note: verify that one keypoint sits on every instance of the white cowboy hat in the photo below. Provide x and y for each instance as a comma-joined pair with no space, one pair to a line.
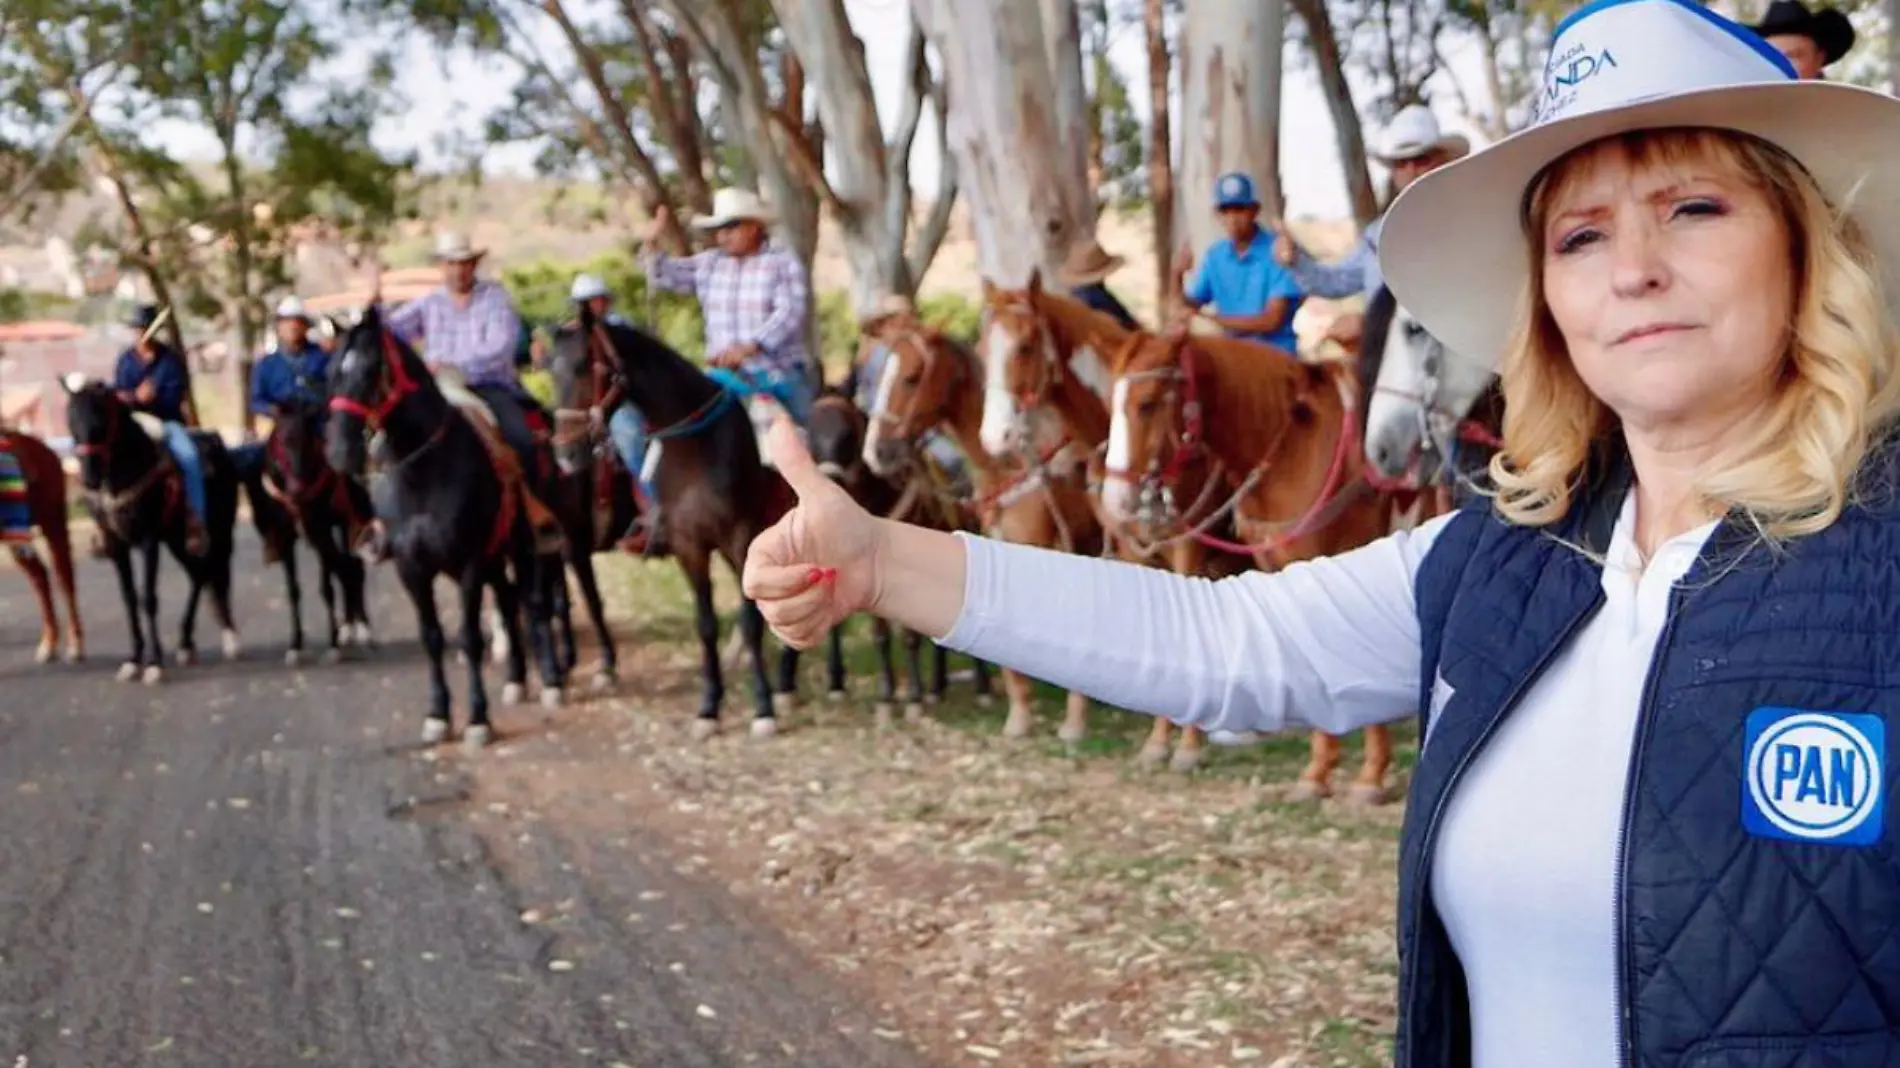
1414,132
733,205
587,287
292,308
1453,246
455,247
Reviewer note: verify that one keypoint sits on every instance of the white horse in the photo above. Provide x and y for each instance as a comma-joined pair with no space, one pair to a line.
1421,393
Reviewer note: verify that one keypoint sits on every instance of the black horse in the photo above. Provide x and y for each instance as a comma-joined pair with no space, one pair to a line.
297,493
136,494
449,512
837,432
715,493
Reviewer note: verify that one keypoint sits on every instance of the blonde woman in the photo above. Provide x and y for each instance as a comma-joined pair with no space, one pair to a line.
1660,669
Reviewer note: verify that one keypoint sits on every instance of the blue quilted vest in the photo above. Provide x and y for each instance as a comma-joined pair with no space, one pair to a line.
1758,888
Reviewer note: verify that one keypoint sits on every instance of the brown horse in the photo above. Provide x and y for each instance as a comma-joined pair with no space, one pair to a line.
1042,351
45,493
930,381
1286,432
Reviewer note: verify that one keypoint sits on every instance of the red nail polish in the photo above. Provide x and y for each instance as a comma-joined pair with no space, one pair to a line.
817,574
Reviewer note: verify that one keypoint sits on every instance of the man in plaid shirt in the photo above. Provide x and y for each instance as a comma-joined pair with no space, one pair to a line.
756,299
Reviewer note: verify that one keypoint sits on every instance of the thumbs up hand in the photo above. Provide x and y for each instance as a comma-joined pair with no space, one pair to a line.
822,560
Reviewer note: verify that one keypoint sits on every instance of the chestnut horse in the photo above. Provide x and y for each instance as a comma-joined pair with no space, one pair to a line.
1287,433
43,493
930,381
1042,350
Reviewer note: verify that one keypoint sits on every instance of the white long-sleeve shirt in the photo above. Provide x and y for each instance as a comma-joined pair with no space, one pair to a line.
1524,869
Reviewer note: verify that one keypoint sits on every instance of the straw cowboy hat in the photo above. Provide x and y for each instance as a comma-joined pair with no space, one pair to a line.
587,287
733,205
292,308
1453,243
452,246
889,307
1827,28
1088,264
1414,132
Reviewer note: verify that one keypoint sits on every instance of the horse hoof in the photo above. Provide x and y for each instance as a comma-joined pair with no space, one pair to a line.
75,653
1017,725
1185,760
364,636
704,729
185,657
1367,795
984,700
764,727
44,653
232,645
511,693
837,697
476,738
784,702
293,657
128,671
1152,756
1071,734
913,713
881,715
434,730
333,655
154,675
551,697
1308,790
604,682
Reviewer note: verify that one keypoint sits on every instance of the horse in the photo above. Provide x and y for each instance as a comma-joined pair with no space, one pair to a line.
33,496
715,492
457,504
1045,350
299,493
931,381
136,493
1429,407
837,431
1286,433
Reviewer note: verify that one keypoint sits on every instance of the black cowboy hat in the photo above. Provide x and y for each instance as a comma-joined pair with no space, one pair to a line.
142,316
1827,27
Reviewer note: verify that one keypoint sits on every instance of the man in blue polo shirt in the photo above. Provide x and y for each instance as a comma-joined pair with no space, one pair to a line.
1252,295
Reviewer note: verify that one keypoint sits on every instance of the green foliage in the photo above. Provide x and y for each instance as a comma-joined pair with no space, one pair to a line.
21,305
540,291
954,314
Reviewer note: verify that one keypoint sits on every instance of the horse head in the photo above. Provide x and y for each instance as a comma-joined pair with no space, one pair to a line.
372,372
1418,391
99,422
1154,417
295,449
924,380
582,364
836,432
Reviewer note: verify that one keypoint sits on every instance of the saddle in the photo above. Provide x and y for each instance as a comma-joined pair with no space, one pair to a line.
547,529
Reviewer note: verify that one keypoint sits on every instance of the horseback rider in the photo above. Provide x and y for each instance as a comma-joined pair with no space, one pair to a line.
468,326
290,376
1086,272
1812,40
151,379
624,427
756,299
1254,297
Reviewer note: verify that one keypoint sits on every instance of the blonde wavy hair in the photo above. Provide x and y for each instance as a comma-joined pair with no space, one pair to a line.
1797,469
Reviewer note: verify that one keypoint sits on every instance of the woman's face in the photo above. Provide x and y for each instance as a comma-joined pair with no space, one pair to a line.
1670,277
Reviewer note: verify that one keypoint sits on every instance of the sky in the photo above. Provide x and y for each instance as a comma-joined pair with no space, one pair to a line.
454,103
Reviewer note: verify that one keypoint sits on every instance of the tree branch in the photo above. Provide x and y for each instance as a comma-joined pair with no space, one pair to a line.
805,162
936,226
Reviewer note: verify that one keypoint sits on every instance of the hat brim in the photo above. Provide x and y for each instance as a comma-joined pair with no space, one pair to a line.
460,256
1452,248
1457,146
1828,28
715,222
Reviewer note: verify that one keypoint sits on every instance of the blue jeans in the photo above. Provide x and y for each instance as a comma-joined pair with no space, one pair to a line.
627,428
185,453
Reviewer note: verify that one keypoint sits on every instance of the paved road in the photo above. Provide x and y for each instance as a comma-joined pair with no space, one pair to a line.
250,865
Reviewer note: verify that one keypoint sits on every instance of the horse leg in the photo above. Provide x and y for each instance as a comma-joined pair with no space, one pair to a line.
886,672
355,579
421,589
1316,780
129,593
699,575
327,580
765,709
1369,787
785,687
1075,718
148,603
59,545
985,697
834,664
563,615
590,593
474,580
220,580
546,572
1021,716
293,589
914,679
42,590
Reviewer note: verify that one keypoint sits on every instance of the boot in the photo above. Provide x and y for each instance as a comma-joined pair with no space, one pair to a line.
548,537
371,541
197,541
646,535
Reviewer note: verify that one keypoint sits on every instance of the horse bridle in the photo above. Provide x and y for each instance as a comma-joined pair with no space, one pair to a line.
928,354
396,384
1051,359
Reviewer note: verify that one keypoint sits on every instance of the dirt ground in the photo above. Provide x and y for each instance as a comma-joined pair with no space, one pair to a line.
1002,902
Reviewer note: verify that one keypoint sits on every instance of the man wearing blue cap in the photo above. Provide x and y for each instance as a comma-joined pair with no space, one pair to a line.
1253,296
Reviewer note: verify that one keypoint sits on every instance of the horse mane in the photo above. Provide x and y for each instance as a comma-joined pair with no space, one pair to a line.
1073,318
1248,382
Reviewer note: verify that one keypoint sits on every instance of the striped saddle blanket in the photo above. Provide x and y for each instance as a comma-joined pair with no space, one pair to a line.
16,517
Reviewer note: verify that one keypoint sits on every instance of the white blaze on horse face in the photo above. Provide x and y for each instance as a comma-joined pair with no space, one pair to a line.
1118,490
1092,371
874,433
999,406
